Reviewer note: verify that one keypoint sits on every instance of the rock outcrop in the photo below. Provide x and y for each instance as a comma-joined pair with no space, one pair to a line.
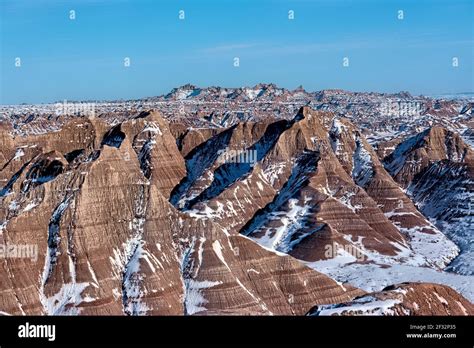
140,217
403,299
436,167
109,242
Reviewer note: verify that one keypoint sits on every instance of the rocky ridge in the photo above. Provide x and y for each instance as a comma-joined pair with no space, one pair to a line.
140,216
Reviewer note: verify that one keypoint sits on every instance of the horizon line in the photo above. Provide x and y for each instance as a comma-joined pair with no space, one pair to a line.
429,95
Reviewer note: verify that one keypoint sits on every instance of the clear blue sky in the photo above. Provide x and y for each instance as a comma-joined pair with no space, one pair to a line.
83,58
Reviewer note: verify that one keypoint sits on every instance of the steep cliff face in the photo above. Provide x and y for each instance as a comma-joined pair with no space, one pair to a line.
416,153
362,163
308,187
189,138
436,168
6,144
140,217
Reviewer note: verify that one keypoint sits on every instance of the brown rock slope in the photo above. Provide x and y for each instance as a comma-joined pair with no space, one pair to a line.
436,168
304,191
403,299
362,163
94,200
417,153
146,218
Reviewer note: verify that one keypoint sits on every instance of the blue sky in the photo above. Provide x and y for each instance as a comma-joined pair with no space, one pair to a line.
84,58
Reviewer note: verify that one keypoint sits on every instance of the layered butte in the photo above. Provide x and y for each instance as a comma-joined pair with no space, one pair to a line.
139,217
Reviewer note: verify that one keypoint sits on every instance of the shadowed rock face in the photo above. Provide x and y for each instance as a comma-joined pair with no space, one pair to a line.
436,167
312,185
143,218
417,153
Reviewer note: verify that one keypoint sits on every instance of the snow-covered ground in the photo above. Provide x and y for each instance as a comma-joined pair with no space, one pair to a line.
363,306
373,277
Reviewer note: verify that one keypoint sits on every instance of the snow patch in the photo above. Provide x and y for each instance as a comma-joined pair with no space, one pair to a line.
363,306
